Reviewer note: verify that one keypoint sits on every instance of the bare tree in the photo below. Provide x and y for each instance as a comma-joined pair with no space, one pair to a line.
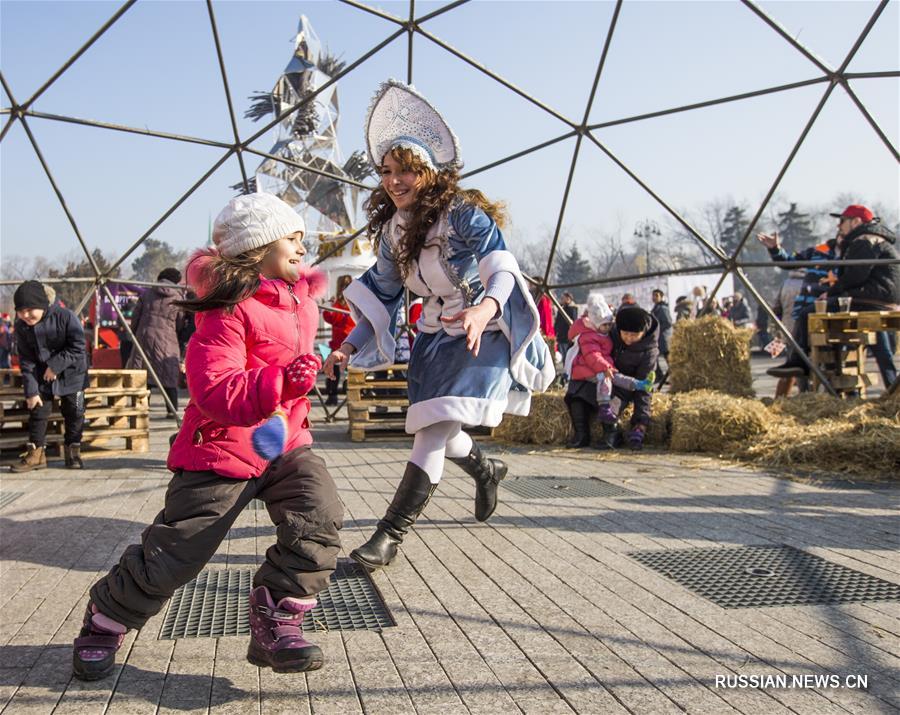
682,246
531,255
607,252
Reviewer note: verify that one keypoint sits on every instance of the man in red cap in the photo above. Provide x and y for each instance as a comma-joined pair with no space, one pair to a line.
861,237
863,213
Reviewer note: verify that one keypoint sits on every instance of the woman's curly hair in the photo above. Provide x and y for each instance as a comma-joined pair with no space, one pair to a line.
436,192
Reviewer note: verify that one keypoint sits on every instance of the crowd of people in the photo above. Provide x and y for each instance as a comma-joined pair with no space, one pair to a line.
861,285
50,346
481,349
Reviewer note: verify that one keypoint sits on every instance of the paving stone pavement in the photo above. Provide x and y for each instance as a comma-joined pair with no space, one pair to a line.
541,610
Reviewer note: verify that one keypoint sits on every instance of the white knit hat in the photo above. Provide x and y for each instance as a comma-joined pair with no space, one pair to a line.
598,310
253,220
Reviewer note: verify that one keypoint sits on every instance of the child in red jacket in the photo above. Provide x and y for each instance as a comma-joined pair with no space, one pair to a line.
592,372
249,357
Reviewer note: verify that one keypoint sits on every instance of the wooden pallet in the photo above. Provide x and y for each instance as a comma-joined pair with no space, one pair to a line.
838,346
841,324
377,404
117,415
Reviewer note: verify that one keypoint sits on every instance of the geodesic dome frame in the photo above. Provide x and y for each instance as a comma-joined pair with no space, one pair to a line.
413,25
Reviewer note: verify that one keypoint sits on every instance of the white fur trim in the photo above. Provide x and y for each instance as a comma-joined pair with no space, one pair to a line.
364,305
522,371
466,410
518,403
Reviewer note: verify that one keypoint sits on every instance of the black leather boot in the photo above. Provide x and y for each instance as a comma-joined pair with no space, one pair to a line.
580,412
610,437
72,454
487,474
413,493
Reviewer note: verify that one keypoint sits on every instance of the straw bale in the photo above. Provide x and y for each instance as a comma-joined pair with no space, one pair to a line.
808,432
708,421
710,354
660,426
863,443
547,423
811,407
889,404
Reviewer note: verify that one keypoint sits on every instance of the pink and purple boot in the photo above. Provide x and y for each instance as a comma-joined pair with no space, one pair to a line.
605,414
636,437
94,654
276,634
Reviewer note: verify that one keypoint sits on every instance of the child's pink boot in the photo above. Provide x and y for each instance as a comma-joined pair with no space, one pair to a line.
94,654
276,634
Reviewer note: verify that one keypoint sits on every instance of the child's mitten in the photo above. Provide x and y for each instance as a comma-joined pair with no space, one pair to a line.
301,374
645,385
270,437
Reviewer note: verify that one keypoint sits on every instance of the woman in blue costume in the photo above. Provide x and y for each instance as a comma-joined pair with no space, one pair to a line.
478,353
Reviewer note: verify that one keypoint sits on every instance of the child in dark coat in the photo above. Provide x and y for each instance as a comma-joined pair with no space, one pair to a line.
52,356
590,366
635,353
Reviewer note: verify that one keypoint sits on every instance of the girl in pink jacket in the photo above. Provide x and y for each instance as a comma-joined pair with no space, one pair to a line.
592,372
250,357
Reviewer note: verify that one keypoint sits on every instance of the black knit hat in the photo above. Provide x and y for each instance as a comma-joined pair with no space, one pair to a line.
173,275
633,319
31,294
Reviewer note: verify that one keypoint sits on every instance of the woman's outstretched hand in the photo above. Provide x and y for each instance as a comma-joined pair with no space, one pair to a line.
474,320
338,357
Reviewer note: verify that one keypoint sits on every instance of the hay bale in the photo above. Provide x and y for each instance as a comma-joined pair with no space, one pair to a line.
660,426
811,407
710,354
889,405
547,423
863,443
709,421
808,432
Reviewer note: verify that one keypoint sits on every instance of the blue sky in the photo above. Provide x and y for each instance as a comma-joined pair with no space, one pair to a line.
156,68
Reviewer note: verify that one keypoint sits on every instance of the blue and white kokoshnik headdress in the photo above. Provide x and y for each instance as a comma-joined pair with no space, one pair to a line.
400,116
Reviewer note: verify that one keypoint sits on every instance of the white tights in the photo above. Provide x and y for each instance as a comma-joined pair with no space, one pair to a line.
434,442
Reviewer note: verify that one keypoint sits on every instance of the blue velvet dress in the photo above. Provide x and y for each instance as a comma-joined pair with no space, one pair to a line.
464,249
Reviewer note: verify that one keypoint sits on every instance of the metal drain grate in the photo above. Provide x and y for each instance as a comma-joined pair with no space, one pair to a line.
558,487
215,604
7,498
758,576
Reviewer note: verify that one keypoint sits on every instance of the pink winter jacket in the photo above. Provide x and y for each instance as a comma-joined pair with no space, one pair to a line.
235,366
594,351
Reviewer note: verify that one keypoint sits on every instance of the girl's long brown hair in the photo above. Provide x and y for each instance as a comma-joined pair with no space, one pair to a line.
436,192
228,280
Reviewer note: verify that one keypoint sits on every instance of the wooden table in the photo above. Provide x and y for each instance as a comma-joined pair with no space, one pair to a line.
838,344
